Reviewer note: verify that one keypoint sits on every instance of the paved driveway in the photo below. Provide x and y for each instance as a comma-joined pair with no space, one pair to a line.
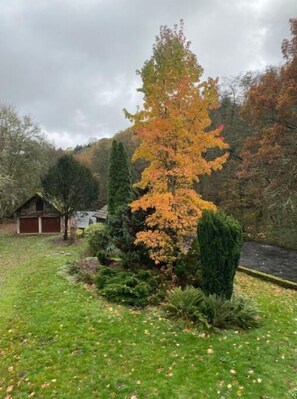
269,259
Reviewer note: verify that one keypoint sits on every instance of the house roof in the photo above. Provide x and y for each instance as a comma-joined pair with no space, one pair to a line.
36,195
102,213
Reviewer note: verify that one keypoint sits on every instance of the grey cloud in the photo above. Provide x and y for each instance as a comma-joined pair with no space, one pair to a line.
72,63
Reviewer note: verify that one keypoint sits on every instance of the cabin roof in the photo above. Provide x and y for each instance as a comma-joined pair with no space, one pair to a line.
36,195
102,213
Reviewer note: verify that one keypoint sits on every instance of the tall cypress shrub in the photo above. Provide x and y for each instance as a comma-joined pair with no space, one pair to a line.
123,189
220,240
119,191
112,178
119,178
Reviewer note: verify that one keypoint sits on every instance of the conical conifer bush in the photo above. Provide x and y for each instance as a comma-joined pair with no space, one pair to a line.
220,240
119,179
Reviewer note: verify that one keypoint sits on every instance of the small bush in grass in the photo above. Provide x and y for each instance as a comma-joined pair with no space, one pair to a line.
238,312
220,240
136,289
192,304
84,270
97,237
184,304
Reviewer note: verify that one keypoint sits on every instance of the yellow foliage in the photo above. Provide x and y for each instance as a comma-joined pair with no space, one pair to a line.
174,133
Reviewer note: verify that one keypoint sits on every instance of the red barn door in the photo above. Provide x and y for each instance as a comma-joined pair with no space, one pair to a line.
28,225
51,225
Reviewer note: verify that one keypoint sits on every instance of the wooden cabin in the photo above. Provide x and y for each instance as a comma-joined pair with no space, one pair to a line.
38,216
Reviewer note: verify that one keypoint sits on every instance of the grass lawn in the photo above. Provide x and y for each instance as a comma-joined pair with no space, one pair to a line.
59,340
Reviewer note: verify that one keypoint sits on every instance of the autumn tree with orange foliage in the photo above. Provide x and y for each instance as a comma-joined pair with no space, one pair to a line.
175,134
270,155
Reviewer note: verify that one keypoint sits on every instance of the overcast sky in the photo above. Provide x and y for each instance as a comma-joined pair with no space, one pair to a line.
71,63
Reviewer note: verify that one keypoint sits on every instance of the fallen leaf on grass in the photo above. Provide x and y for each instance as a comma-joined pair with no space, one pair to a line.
45,385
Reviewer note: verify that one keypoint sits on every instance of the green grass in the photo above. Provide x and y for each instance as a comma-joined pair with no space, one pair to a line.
59,340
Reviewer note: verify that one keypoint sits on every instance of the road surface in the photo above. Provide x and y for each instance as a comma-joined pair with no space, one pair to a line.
269,259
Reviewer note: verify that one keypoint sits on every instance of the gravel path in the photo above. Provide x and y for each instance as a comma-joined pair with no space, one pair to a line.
269,259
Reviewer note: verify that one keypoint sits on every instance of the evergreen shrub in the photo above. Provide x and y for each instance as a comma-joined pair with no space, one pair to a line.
184,304
239,312
102,258
119,178
135,289
130,260
220,240
191,304
123,227
97,237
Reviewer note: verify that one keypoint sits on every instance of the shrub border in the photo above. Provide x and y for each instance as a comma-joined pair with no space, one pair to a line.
268,277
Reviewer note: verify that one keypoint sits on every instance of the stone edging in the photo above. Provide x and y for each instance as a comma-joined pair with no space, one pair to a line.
268,277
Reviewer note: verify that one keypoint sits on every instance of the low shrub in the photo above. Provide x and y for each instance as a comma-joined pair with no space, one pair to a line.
239,312
84,270
193,305
87,277
102,258
130,260
105,274
135,289
92,228
97,237
184,304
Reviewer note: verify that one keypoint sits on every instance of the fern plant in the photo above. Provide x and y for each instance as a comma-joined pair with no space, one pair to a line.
193,305
184,304
238,312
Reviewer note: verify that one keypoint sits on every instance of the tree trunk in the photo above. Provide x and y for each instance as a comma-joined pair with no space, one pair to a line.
66,228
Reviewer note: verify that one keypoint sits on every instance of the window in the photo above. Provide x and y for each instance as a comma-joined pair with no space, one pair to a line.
39,205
